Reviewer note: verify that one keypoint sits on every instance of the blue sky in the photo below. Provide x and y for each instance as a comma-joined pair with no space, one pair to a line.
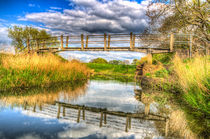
74,16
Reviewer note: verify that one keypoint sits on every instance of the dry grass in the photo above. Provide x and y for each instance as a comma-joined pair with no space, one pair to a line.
48,62
193,73
39,70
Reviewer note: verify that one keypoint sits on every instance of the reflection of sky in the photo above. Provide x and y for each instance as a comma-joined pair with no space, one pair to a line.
25,124
89,55
112,95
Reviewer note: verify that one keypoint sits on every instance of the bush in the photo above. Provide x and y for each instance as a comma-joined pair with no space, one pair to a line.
115,62
162,58
99,60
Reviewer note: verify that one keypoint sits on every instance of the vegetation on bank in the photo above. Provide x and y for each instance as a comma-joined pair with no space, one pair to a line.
114,69
25,71
185,83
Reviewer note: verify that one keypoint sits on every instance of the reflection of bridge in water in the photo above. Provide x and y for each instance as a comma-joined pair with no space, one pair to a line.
101,117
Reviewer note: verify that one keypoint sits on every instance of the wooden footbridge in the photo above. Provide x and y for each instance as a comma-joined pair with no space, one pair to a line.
99,116
104,42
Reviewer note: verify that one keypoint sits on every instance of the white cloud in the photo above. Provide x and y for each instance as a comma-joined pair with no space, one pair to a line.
55,8
92,16
31,5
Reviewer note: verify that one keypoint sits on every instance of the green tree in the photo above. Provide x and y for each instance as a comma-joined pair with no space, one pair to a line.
185,16
19,36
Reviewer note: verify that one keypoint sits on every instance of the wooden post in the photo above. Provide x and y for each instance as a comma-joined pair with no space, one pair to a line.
59,110
129,122
190,49
134,40
101,119
104,118
40,107
131,40
34,109
87,41
44,44
78,117
67,41
171,42
126,124
37,44
61,41
83,113
64,111
25,105
28,45
149,56
104,41
109,39
166,128
146,109
82,41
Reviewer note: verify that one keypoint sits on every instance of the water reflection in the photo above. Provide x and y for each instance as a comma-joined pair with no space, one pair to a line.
100,109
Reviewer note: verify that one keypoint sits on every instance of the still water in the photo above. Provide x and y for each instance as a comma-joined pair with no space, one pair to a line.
98,110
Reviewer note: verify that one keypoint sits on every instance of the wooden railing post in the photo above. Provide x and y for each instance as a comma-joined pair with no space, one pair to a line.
109,39
171,42
131,40
87,41
61,41
134,40
166,127
28,45
82,41
104,41
67,41
190,49
37,44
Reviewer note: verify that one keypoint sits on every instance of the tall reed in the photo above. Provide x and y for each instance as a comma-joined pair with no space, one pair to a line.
38,70
194,79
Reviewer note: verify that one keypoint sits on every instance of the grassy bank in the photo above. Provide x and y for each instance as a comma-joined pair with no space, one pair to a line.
26,71
184,83
110,71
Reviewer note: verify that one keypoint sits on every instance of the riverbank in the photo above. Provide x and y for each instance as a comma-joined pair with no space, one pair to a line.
26,71
183,83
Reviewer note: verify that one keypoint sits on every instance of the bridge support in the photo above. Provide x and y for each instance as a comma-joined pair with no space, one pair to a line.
34,109
78,117
101,119
134,40
171,42
64,111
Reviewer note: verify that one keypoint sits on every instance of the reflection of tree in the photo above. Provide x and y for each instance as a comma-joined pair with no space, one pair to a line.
39,96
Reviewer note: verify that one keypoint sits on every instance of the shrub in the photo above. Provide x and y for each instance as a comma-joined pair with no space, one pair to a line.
164,58
115,62
99,60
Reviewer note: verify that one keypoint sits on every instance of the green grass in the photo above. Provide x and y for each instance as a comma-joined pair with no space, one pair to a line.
112,69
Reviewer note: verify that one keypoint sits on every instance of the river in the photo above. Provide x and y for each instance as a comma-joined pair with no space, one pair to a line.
98,110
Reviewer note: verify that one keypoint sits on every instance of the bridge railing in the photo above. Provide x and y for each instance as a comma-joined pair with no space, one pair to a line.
130,41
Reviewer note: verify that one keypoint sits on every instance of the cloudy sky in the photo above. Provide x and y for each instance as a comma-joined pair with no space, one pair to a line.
74,16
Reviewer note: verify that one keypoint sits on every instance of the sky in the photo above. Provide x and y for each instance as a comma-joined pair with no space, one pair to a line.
74,16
